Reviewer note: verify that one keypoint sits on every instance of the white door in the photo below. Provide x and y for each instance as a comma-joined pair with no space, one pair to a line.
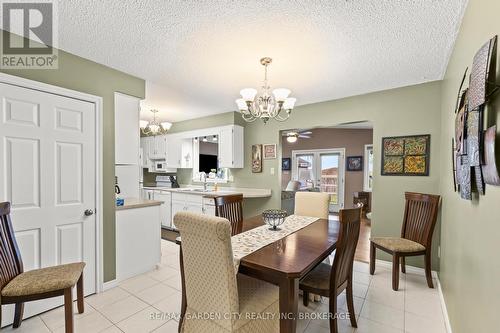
321,170
47,172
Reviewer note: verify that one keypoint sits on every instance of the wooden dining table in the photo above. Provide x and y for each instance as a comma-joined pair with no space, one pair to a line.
285,262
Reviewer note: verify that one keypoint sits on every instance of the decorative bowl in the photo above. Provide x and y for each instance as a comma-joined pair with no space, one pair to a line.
274,218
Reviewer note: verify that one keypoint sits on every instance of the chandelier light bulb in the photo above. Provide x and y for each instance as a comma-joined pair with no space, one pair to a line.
143,123
242,105
289,103
281,94
248,94
166,125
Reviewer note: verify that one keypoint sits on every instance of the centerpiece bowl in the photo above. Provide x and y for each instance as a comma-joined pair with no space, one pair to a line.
274,218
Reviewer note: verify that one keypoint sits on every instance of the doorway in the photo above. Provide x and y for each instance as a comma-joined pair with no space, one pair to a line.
51,168
321,170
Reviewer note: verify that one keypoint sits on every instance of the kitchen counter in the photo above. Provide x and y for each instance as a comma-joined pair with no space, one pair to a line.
222,191
131,203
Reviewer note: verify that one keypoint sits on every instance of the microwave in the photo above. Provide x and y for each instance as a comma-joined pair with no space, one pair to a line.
160,166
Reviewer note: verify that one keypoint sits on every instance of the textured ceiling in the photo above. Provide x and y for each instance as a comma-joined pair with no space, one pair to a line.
197,55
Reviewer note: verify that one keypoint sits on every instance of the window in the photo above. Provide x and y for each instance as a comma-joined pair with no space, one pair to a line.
205,159
368,169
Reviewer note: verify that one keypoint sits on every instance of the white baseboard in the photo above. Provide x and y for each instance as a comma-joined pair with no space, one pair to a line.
110,284
421,271
443,307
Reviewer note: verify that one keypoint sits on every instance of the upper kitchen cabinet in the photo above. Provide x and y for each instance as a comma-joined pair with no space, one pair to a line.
231,154
126,129
158,147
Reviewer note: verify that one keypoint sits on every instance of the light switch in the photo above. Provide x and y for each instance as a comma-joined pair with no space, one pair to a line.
272,171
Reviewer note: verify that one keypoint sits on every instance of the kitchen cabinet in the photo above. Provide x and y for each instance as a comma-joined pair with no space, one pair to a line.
165,208
231,154
126,129
195,203
186,153
158,147
174,151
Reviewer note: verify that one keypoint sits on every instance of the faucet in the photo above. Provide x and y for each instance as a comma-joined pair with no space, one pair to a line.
204,180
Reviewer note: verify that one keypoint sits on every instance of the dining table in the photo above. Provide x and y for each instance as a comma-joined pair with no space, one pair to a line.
284,262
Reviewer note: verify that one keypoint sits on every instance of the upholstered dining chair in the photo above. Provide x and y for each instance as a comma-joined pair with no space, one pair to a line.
416,236
314,204
210,285
331,280
17,286
231,208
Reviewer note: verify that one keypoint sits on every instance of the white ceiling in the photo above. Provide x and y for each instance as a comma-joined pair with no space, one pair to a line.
197,55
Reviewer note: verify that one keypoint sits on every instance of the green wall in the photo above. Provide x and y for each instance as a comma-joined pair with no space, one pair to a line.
470,230
89,77
402,111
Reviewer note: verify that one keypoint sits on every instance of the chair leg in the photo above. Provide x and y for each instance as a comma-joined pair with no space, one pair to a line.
395,272
333,312
350,303
428,273
372,258
305,298
18,315
79,295
403,265
68,310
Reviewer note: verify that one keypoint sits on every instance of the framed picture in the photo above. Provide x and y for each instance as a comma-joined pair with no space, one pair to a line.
256,158
286,164
269,151
354,163
406,155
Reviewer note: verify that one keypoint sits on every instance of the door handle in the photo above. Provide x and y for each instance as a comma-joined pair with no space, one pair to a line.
88,212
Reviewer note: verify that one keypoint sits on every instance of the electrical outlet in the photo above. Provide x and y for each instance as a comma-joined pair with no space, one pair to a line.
439,251
272,171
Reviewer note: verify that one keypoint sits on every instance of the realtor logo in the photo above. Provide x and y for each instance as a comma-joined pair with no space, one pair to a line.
28,34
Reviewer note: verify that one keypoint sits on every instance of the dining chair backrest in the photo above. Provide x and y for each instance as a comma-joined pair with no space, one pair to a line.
11,264
350,220
209,273
231,208
420,217
314,204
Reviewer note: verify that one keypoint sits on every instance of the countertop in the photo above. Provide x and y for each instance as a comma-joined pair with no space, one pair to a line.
131,203
222,191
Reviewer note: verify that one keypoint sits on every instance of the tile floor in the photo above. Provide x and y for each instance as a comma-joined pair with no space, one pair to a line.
129,307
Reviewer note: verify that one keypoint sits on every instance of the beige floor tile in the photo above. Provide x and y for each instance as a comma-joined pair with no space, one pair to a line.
110,296
383,314
323,325
54,319
359,290
163,273
170,306
369,326
361,267
174,282
424,305
170,327
141,322
122,309
138,283
387,296
361,277
155,293
111,329
32,325
94,322
171,260
417,324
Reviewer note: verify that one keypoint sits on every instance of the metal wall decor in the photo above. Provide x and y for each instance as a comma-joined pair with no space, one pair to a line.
473,162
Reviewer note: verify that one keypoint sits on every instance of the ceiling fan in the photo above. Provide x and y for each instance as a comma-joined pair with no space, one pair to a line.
293,135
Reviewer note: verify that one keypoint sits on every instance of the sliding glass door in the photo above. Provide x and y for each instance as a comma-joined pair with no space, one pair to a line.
321,170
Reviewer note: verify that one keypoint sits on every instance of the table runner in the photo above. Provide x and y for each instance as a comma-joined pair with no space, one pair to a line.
252,240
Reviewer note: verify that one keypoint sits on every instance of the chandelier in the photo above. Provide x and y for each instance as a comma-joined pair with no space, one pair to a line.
265,105
154,127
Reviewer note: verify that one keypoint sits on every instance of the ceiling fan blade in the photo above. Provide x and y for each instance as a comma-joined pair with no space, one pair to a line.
304,136
306,132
